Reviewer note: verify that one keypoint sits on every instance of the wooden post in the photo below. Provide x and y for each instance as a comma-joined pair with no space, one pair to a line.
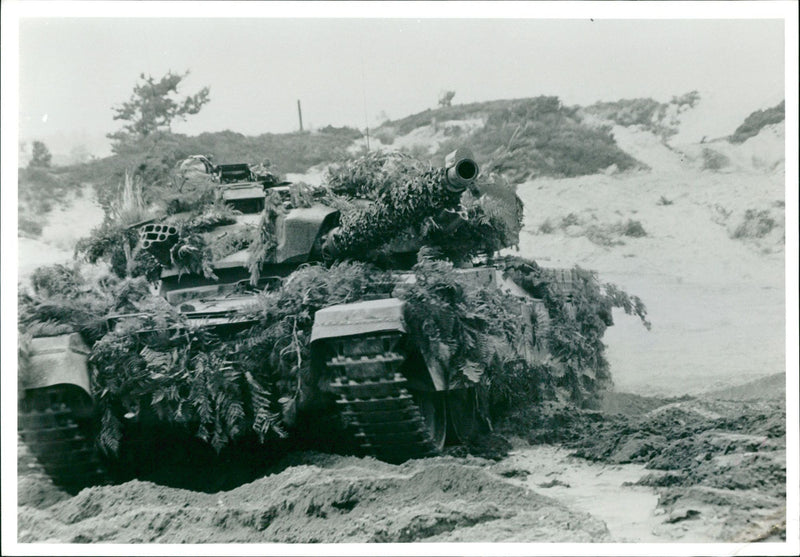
300,114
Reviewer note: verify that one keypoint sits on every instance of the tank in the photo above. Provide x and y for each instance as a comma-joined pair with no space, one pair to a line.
392,401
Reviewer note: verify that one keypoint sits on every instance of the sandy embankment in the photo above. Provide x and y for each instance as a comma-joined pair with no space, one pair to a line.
64,226
716,303
320,498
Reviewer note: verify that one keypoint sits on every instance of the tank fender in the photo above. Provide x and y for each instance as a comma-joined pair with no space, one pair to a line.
376,316
57,360
358,318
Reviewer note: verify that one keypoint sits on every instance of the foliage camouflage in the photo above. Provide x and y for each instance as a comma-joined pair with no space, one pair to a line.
221,385
407,204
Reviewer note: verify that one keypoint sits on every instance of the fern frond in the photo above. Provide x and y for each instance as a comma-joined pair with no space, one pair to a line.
265,419
110,432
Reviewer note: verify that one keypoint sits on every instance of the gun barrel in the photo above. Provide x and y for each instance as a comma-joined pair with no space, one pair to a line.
461,169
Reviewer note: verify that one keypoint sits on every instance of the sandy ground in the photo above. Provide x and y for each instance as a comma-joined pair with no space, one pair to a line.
321,498
717,307
716,303
705,470
604,491
64,226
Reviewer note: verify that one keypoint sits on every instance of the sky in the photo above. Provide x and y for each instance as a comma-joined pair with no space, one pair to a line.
358,72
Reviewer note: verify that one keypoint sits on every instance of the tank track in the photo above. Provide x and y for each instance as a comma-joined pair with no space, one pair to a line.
374,398
48,426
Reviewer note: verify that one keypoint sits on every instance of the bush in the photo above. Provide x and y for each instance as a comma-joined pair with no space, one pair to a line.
634,229
42,188
540,137
40,156
714,160
385,136
29,227
606,235
570,220
524,138
755,224
547,227
658,118
757,120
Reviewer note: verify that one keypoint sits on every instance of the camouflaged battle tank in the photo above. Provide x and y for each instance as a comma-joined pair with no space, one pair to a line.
395,403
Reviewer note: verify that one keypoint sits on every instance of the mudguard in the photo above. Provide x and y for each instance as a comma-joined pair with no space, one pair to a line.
373,316
58,360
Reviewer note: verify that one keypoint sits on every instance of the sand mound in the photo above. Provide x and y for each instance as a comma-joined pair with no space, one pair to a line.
426,139
649,149
332,499
61,230
73,220
761,153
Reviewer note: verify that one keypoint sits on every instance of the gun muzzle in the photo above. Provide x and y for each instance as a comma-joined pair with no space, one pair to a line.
461,169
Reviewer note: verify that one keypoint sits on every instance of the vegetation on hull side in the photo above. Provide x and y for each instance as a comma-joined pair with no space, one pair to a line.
224,356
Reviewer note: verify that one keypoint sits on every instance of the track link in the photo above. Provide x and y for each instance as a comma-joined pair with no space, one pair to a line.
48,425
374,399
